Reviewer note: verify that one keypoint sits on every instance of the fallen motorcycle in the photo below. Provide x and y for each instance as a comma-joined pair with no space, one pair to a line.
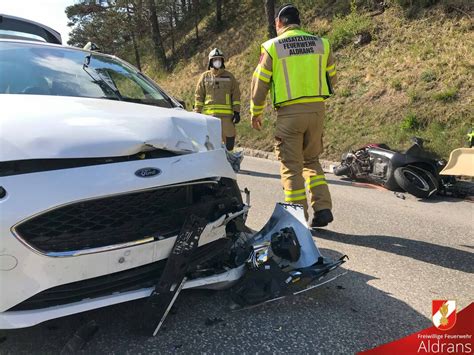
414,171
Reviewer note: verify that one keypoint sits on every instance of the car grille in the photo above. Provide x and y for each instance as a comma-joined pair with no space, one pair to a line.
114,220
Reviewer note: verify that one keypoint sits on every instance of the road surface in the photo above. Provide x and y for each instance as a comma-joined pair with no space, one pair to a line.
403,254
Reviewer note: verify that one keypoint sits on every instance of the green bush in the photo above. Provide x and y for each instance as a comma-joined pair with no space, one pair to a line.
447,95
345,92
396,84
344,28
415,3
410,122
428,76
414,96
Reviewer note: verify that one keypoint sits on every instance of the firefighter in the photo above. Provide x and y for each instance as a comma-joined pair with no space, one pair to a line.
218,94
298,69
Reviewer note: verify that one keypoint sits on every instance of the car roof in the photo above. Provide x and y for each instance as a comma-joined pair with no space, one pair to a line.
61,46
17,27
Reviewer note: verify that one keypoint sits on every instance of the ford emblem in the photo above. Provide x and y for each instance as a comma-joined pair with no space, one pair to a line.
147,172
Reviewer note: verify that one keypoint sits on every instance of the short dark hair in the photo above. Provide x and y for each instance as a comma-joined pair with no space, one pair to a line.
288,14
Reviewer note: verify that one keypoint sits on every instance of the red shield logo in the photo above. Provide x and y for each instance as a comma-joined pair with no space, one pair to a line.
443,314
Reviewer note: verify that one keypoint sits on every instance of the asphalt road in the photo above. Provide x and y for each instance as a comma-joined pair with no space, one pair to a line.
403,254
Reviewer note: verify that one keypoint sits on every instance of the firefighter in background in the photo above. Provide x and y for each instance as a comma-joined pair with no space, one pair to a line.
299,70
218,94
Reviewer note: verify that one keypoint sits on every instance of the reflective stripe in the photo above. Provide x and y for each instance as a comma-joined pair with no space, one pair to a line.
260,71
301,101
320,69
287,79
198,103
295,195
300,198
256,112
261,77
317,183
219,106
227,99
332,73
315,177
214,111
332,67
236,103
252,105
265,71
316,180
295,192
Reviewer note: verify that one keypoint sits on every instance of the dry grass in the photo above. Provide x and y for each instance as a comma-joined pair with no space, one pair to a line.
418,68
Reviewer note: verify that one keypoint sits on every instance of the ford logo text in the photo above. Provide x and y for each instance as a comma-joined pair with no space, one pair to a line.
147,172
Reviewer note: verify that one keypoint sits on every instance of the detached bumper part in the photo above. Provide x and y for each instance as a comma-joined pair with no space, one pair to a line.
284,260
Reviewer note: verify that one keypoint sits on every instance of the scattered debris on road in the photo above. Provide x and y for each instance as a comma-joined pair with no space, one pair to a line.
80,338
399,195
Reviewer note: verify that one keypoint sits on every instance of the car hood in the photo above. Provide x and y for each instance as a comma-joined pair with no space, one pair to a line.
51,127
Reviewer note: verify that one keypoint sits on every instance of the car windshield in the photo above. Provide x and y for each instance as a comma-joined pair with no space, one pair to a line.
27,68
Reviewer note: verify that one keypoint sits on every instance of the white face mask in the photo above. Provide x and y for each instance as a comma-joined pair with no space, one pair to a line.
217,63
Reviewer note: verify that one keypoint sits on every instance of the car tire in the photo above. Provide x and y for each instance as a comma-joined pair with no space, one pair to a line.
419,183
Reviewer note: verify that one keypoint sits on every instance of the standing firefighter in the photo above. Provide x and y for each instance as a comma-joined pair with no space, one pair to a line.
218,94
299,71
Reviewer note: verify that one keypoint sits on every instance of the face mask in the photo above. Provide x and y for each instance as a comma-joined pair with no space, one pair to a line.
217,63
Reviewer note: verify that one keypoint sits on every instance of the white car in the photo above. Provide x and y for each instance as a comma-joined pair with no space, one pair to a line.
99,171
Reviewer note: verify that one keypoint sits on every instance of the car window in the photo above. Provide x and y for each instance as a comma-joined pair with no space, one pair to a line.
27,68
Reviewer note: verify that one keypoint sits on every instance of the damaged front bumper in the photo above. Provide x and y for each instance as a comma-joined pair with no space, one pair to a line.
280,260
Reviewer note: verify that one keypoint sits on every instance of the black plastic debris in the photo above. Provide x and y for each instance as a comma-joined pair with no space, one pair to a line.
212,321
80,338
285,244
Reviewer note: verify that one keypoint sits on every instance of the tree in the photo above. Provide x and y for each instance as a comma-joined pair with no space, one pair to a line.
133,37
156,35
196,18
270,11
218,14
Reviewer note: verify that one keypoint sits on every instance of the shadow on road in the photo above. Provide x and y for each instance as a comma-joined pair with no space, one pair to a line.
259,174
423,251
343,316
277,176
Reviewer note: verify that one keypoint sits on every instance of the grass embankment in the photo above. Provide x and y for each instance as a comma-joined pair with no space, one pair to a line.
414,78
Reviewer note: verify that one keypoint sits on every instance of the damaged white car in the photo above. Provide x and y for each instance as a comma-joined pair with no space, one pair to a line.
110,192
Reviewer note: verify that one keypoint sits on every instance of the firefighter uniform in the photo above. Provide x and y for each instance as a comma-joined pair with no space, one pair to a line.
298,69
218,94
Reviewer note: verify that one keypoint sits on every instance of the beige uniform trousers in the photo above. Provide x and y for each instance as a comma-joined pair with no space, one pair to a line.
299,142
227,127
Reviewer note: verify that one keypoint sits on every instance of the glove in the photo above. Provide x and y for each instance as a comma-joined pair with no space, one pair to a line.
236,117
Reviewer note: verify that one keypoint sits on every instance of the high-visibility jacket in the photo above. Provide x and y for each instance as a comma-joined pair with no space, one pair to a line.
297,68
217,94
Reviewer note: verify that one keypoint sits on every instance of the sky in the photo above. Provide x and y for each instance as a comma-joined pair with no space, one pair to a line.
47,12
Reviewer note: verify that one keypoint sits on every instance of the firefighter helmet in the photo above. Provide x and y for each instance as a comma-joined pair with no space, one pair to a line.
215,53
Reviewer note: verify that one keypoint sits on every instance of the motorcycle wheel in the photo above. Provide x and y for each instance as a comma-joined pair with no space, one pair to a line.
342,170
421,184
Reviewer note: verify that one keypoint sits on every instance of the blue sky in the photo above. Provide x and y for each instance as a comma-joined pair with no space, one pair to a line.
48,12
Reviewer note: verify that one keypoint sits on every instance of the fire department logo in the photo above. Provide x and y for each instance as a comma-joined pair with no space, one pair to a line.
444,314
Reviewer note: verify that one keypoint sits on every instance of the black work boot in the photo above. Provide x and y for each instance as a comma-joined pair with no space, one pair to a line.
322,218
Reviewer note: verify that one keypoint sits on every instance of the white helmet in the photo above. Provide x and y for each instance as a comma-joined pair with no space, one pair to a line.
215,53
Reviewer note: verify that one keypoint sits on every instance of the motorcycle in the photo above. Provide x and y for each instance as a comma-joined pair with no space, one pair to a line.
413,171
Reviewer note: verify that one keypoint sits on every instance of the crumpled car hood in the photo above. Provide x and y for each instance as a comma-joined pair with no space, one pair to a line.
49,127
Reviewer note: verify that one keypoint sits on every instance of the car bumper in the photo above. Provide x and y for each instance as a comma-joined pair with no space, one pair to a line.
25,271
